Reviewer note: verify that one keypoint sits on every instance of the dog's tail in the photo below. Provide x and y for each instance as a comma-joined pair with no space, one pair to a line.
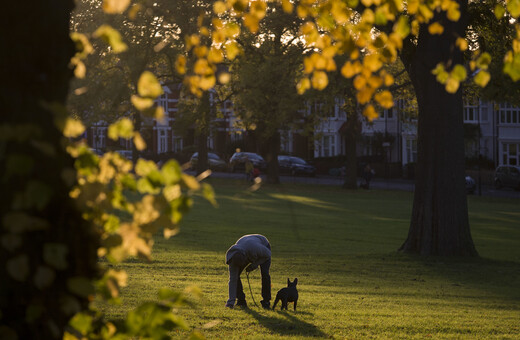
276,301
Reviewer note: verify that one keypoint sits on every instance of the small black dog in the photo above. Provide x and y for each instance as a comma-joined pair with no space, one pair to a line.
288,294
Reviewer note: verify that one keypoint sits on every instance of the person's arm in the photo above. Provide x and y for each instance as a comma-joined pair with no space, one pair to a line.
233,280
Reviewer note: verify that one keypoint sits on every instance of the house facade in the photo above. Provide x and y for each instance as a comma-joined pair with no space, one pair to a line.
387,139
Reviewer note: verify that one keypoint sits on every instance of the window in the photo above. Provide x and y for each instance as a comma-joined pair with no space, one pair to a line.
470,113
328,146
511,153
411,150
509,114
177,144
99,137
163,141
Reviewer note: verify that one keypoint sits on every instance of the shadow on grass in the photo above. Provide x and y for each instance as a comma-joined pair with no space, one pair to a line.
286,323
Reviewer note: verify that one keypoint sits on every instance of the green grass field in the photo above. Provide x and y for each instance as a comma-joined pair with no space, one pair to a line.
342,245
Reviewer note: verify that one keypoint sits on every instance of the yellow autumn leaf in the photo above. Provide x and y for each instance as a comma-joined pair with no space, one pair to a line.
372,62
73,128
360,82
251,22
141,103
224,78
348,70
111,37
435,28
202,67
482,78
180,64
115,6
287,6
388,79
232,50
303,85
200,51
148,86
215,55
452,85
453,12
462,44
319,80
139,141
207,82
219,7
258,8
370,112
134,10
364,95
384,99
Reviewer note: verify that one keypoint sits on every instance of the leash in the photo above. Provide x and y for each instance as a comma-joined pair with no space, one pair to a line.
249,284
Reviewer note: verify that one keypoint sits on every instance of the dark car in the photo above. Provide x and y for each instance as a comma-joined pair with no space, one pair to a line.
237,162
215,162
507,176
295,166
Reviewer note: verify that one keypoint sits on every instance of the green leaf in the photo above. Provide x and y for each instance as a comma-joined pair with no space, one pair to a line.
121,129
171,172
402,27
482,78
148,86
111,37
459,73
499,11
82,323
144,167
513,6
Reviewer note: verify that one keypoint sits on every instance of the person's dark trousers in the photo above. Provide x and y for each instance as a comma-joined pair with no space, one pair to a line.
266,282
241,297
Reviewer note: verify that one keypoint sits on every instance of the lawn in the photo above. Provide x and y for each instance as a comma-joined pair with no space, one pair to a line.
342,246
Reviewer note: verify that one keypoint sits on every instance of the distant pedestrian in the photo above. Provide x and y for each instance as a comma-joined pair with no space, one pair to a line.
249,252
368,173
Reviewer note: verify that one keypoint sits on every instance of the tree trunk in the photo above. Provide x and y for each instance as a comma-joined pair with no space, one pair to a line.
202,127
44,239
273,170
352,134
439,224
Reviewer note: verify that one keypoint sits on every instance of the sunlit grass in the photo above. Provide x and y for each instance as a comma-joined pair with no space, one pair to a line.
342,246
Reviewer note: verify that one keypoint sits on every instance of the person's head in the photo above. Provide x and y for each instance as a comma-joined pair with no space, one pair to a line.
238,260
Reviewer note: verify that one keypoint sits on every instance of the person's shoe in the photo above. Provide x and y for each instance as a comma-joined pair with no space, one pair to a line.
228,305
242,303
265,304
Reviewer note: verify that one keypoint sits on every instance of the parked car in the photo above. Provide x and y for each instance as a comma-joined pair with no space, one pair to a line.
507,176
215,162
238,160
470,185
125,153
295,166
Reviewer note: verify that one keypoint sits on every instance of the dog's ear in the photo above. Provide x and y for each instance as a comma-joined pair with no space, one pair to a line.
295,281
288,281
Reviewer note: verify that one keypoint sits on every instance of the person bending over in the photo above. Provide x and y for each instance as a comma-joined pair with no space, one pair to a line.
249,252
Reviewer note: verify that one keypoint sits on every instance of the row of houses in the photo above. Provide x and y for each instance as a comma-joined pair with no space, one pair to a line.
387,139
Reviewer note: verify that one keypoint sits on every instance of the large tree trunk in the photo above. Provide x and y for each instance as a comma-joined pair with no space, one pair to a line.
439,224
44,239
